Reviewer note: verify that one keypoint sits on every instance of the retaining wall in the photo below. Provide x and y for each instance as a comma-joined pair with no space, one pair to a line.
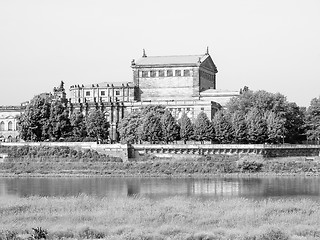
126,151
265,150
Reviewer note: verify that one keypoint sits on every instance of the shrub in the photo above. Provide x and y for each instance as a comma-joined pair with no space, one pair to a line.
63,235
273,235
250,166
8,235
89,233
39,233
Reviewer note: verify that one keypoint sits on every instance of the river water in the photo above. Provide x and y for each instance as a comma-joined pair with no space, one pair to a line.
157,188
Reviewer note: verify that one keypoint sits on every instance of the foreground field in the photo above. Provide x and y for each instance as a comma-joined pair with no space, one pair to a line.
86,217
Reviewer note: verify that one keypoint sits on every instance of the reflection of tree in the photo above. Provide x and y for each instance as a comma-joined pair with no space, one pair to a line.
133,188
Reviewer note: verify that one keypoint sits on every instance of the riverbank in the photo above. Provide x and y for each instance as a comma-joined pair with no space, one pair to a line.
204,166
86,217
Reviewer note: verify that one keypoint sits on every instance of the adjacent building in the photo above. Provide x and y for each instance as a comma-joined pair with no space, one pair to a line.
8,123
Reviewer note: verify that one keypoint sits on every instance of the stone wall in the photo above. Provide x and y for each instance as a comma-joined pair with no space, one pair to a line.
265,150
171,150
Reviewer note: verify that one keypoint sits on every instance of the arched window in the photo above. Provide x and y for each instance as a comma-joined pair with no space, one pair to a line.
10,126
2,126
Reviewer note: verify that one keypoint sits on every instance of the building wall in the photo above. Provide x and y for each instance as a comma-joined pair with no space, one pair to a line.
96,93
8,123
154,86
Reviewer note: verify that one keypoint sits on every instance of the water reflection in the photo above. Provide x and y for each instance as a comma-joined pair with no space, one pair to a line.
159,187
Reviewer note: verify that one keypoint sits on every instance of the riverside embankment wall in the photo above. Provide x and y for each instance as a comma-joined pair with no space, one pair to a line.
137,151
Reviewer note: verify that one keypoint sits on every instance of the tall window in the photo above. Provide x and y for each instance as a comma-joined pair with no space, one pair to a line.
145,74
10,126
117,93
103,93
2,126
152,73
161,73
169,73
87,93
178,73
186,73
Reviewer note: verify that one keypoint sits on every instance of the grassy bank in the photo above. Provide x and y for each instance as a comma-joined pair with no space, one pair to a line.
85,217
55,161
188,166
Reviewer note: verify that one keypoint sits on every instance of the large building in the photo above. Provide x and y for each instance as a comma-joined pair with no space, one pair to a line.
181,83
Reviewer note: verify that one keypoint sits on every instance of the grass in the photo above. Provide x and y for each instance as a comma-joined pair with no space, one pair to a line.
85,217
187,166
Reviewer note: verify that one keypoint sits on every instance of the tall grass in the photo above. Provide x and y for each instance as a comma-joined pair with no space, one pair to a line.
86,217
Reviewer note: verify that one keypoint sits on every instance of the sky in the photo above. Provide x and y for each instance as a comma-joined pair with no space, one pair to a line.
271,45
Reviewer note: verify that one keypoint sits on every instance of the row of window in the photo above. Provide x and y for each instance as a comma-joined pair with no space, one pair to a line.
165,73
103,93
10,126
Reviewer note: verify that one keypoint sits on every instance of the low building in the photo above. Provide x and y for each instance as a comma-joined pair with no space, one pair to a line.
8,122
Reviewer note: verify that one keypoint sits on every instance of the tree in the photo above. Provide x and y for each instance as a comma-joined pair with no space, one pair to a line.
78,126
257,126
151,128
239,127
97,125
275,127
129,127
169,127
59,125
270,102
186,128
203,129
313,120
222,126
33,122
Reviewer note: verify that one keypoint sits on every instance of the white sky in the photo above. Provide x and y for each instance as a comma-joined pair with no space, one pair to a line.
272,45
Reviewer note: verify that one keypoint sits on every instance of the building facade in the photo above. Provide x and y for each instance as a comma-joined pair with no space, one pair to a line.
8,123
180,83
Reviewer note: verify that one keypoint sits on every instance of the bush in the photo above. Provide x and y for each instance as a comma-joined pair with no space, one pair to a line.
89,233
250,166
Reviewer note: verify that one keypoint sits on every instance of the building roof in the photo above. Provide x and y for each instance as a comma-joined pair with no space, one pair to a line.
171,60
219,92
104,85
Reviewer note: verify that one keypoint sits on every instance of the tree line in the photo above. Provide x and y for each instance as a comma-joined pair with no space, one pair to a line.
253,117
48,119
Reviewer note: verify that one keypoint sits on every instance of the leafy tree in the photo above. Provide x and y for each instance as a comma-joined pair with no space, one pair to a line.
313,120
203,129
270,102
275,127
33,123
295,124
158,109
239,127
78,125
151,128
186,128
59,121
257,126
170,129
222,126
97,125
129,127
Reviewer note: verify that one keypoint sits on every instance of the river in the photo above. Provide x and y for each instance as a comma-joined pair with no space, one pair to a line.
157,188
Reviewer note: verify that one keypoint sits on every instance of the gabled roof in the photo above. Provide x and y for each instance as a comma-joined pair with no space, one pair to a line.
171,60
